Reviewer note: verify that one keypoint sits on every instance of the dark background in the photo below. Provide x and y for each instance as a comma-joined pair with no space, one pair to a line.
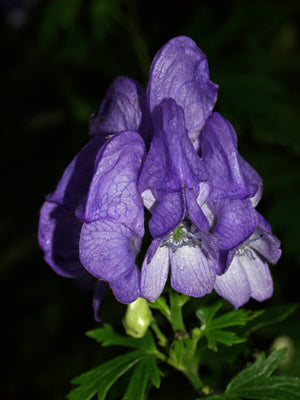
57,60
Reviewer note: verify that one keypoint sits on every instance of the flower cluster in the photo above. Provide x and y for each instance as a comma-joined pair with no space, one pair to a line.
166,150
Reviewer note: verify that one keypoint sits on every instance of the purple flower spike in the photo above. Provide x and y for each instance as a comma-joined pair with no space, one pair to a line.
180,71
248,274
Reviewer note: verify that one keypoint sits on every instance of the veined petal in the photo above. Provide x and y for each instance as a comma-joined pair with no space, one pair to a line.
233,285
172,163
264,242
154,273
236,221
113,192
195,212
108,249
254,181
259,277
74,183
193,268
218,144
127,289
167,215
58,236
124,108
180,71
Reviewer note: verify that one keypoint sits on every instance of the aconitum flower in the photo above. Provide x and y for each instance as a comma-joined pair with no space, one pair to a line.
201,193
75,207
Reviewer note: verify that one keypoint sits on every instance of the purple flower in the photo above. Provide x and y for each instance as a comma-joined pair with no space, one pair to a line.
108,168
201,193
202,204
248,274
173,186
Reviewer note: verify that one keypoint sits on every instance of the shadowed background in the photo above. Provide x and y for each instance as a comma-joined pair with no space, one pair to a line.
57,60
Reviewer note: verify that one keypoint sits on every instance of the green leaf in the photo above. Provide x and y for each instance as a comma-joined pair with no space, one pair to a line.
234,318
225,337
99,380
273,388
271,316
206,314
262,367
161,305
108,337
213,328
255,382
144,371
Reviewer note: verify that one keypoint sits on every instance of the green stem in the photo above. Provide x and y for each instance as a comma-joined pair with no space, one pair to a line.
176,312
162,340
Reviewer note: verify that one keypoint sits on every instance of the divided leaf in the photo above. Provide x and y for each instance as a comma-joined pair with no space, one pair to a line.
108,337
255,382
213,328
146,370
99,380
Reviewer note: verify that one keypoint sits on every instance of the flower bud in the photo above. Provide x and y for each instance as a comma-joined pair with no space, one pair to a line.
137,318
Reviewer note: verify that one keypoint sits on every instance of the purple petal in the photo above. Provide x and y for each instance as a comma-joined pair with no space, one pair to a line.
254,181
259,278
154,273
218,144
124,108
193,268
234,285
108,250
193,201
113,192
74,183
127,289
265,243
58,235
248,275
180,71
236,221
167,215
172,162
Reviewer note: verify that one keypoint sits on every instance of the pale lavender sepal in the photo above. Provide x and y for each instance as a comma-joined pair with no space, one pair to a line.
233,285
154,272
193,268
113,192
124,108
180,71
108,249
247,276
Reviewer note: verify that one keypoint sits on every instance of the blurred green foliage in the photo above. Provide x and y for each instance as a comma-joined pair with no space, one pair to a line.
57,63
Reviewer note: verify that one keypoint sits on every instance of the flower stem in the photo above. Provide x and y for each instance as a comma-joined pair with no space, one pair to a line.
176,312
162,340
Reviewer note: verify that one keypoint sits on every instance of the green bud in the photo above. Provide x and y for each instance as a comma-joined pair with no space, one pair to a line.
137,318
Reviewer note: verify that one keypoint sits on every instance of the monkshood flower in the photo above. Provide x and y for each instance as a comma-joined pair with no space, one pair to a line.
245,238
74,206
